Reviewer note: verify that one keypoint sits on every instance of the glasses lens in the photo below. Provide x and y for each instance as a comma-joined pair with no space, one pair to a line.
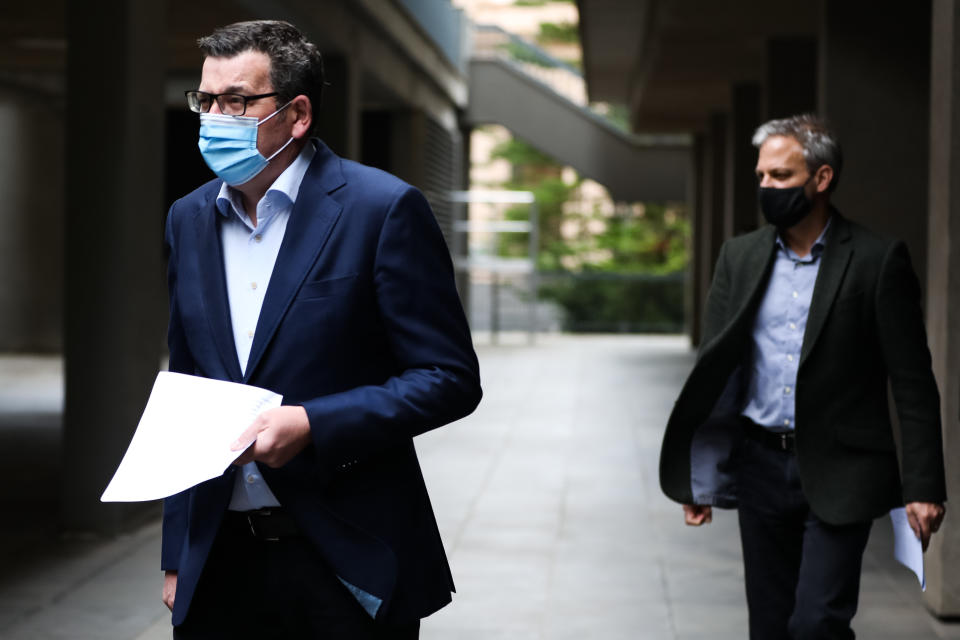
232,104
198,101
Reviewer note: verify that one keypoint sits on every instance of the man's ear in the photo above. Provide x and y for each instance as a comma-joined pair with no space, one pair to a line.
302,112
823,177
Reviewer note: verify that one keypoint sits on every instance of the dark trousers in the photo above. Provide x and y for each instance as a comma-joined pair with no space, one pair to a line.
259,589
802,575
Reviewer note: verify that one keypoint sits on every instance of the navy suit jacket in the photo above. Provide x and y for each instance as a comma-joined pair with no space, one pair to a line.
363,327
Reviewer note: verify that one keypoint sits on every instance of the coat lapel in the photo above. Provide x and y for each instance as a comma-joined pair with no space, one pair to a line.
214,287
311,221
835,259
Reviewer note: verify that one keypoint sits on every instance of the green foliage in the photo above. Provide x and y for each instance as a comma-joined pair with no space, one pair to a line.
529,3
522,53
618,303
623,271
552,32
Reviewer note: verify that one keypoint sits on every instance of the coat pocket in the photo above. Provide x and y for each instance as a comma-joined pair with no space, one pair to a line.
326,288
866,438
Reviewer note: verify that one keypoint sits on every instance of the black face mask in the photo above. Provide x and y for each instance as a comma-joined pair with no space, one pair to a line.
784,208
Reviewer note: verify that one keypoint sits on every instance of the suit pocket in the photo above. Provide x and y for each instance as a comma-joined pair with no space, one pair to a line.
866,438
326,288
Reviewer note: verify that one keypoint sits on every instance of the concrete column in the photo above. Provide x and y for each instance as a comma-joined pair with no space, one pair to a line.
113,333
713,187
339,116
740,211
791,77
875,90
943,290
694,293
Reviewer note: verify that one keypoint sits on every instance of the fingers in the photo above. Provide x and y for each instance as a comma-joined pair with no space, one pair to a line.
169,589
924,518
695,515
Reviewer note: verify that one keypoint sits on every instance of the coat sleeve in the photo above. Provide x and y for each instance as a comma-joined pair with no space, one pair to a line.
174,507
438,378
903,341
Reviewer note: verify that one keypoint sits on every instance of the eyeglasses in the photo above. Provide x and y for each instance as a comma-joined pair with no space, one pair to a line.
231,104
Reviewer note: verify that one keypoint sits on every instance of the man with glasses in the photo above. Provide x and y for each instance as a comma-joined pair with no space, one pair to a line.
329,283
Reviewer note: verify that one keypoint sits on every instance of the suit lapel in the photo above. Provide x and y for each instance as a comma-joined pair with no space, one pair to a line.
833,267
311,221
757,265
214,287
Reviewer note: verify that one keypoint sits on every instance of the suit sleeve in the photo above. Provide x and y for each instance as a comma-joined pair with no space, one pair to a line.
174,507
903,341
438,378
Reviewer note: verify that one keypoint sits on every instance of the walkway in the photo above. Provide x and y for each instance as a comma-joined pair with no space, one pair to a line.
548,503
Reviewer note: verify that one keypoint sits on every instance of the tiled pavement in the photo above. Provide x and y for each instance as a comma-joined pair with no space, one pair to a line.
547,499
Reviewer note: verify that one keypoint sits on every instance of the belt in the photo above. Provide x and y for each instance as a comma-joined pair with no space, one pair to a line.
778,440
271,524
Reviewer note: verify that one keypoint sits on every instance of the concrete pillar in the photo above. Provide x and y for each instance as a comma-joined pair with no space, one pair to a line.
875,90
713,188
740,211
113,329
791,77
339,116
943,291
694,294
31,246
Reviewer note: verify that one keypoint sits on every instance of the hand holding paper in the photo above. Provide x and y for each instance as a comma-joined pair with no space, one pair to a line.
277,436
184,436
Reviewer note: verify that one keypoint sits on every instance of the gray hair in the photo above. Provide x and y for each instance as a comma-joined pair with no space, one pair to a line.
819,143
296,66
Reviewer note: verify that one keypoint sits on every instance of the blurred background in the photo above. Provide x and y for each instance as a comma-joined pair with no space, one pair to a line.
585,160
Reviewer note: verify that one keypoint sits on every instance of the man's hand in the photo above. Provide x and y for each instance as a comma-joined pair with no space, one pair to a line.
169,588
925,519
277,435
697,514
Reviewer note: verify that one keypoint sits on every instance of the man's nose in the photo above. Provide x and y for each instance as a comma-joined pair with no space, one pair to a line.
215,107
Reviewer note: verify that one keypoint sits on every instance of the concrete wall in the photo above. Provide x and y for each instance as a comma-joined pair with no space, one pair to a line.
31,234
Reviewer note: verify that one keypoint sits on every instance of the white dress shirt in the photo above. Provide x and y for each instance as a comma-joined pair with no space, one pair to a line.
249,253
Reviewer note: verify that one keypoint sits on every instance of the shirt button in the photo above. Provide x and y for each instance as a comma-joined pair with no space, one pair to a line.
253,285
786,390
789,357
258,238
796,295
251,479
786,422
250,334
793,325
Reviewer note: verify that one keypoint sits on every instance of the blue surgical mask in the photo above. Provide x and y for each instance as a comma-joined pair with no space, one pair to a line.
228,145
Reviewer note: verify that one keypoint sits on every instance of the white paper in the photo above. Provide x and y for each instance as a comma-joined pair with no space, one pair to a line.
907,548
184,435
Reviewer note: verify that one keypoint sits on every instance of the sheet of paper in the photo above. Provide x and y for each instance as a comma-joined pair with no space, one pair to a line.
907,548
184,435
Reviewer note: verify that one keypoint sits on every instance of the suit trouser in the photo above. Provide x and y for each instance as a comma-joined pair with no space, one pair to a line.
802,575
262,589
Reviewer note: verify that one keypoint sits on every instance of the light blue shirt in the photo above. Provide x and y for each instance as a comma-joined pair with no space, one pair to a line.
249,253
778,337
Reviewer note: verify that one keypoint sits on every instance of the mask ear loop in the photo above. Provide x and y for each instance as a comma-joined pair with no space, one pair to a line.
287,143
275,153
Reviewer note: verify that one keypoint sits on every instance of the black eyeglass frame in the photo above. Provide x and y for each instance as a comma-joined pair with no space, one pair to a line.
216,96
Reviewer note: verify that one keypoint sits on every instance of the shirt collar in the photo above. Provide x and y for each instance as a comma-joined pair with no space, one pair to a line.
815,250
287,184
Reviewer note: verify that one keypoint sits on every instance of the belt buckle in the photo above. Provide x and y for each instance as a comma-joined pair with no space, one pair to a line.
251,515
784,441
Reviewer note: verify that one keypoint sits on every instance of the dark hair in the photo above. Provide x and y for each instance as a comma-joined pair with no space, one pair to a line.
820,145
296,66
